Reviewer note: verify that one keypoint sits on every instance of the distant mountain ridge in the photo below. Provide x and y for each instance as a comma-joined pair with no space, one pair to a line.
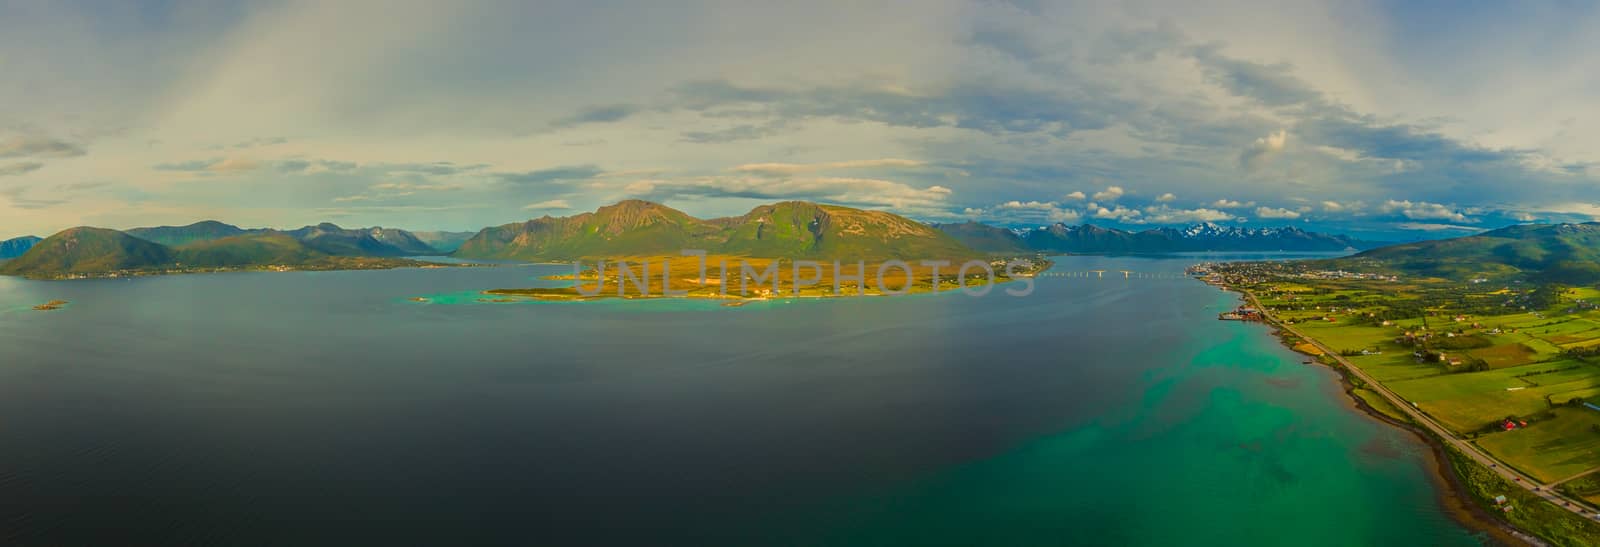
88,250
1088,238
791,229
15,247
1565,253
173,236
212,244
444,242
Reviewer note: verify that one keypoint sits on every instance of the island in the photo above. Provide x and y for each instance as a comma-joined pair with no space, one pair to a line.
51,305
740,280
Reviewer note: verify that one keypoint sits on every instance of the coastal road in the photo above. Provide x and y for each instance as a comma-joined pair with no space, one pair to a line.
1471,450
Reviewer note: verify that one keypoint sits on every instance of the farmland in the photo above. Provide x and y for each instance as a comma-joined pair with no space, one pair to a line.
1471,355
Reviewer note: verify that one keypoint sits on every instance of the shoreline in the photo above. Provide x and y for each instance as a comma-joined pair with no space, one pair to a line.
1458,502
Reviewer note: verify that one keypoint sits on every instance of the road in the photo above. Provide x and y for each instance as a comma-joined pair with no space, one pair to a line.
1471,450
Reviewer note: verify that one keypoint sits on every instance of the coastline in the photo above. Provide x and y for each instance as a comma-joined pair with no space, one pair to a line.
1454,495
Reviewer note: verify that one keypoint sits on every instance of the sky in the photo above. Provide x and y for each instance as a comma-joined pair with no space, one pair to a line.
1387,120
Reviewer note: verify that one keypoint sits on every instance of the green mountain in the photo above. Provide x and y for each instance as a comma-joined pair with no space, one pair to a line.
247,250
798,228
88,250
15,247
791,229
102,251
172,236
1566,253
626,228
326,237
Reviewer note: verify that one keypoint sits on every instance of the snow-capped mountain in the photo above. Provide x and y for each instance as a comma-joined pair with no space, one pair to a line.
1206,236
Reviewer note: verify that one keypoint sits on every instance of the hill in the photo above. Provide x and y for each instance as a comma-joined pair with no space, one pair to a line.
173,236
88,250
247,250
100,251
629,227
1566,253
15,247
331,239
791,229
1088,238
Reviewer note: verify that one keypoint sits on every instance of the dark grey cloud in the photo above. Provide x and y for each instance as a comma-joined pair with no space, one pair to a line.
434,168
596,114
18,197
554,174
261,141
1272,85
187,166
23,146
1009,42
742,132
992,109
13,169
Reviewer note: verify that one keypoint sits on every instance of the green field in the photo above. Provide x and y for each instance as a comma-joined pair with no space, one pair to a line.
1510,360
1552,449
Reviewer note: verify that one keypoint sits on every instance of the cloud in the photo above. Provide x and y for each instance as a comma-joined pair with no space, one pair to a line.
1111,193
990,109
741,132
434,168
1166,198
1117,213
1225,203
38,147
1077,196
1435,227
1424,211
1276,213
548,205
213,166
260,141
1263,150
391,191
596,114
1016,211
785,169
1161,214
862,192
14,169
413,187
1271,85
551,175
313,166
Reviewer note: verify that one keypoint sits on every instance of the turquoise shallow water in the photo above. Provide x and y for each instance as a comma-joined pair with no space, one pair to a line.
325,408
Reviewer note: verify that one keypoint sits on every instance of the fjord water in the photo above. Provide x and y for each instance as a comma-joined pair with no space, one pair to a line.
325,408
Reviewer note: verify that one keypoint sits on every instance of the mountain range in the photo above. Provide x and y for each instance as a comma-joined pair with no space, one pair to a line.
211,244
14,247
1088,238
791,229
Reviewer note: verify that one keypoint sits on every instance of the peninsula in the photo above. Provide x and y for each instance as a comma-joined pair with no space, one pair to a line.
1486,345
